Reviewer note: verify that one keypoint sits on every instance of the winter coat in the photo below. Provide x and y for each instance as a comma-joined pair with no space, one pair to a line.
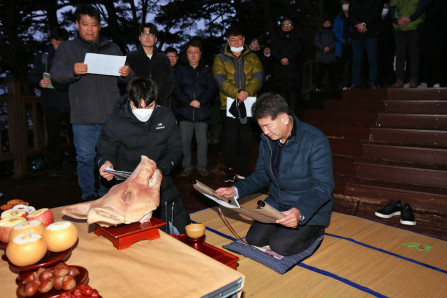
305,178
414,9
338,34
325,38
158,69
56,98
194,84
92,97
368,12
287,45
235,74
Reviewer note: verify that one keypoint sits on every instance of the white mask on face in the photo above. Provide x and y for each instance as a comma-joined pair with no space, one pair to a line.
267,55
237,50
385,12
142,114
345,7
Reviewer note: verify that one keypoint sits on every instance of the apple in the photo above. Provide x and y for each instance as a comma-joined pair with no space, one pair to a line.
6,225
60,236
44,215
14,213
26,249
32,226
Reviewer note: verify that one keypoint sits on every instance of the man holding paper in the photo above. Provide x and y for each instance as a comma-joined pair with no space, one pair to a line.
295,162
239,75
92,96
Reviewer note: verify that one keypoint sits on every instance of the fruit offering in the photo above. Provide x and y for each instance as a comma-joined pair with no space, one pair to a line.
14,213
6,226
60,236
26,249
11,203
31,226
44,215
82,291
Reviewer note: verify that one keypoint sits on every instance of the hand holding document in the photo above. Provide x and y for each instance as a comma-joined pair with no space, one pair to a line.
104,64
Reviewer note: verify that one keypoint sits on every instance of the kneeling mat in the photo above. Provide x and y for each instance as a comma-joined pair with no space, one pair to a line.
280,264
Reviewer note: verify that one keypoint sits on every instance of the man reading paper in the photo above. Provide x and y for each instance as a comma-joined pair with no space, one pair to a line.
295,162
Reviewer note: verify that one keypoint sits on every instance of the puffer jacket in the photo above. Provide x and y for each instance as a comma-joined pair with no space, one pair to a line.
194,84
305,175
414,9
235,74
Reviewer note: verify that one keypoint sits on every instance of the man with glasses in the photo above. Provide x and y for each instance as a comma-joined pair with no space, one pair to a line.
239,74
255,47
149,63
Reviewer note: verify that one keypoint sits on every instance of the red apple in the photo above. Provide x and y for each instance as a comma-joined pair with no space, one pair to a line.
44,215
6,225
14,213
26,249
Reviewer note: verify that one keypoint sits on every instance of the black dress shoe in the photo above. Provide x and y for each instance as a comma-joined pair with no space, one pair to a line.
392,209
407,216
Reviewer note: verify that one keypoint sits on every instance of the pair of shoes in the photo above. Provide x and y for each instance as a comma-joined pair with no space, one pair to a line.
373,86
398,84
203,172
54,173
185,173
437,85
414,83
354,87
395,208
423,85
317,90
345,88
90,198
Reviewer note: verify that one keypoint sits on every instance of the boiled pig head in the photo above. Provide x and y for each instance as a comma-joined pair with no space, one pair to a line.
128,202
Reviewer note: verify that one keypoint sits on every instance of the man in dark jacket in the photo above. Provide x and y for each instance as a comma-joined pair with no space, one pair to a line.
149,63
295,162
288,55
194,91
55,104
92,96
141,127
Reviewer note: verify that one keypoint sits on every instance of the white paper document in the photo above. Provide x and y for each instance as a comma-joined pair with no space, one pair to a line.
248,103
104,64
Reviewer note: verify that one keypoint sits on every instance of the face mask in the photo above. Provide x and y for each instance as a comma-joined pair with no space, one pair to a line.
142,114
385,12
237,50
345,7
267,55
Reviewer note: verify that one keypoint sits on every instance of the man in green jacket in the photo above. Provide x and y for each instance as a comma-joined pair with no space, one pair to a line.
239,75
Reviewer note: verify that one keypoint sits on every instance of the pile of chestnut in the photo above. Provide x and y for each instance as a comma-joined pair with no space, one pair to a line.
61,277
81,291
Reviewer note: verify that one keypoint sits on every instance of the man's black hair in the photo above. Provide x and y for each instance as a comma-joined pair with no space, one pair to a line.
90,10
171,50
142,89
235,30
59,34
152,28
194,43
269,104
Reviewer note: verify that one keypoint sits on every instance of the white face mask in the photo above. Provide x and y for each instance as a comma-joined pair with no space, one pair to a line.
142,114
345,7
237,50
267,55
385,12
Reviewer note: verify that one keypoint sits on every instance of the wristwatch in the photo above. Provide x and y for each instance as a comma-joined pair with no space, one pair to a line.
364,25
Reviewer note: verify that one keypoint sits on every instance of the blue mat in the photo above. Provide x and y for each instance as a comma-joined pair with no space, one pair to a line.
280,264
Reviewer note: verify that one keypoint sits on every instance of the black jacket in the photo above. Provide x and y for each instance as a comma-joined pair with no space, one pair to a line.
194,83
56,98
158,69
368,12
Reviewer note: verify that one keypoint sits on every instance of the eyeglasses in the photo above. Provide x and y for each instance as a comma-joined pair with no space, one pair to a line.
147,35
286,25
254,43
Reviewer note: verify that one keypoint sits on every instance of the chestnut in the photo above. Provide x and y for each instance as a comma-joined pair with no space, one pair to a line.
45,274
73,271
58,282
31,288
68,283
46,285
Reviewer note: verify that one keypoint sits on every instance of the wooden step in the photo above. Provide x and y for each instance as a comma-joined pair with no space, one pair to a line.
346,147
409,136
343,167
421,121
386,171
417,93
360,105
364,94
416,106
424,155
345,132
345,118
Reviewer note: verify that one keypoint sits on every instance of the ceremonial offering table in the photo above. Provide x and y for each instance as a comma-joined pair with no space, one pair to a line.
164,267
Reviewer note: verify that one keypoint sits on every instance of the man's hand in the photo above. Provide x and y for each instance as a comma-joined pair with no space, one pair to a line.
326,49
285,61
227,192
403,22
360,28
80,68
195,104
102,171
44,83
242,96
124,70
292,218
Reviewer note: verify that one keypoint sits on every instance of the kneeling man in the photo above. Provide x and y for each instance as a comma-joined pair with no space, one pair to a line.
295,162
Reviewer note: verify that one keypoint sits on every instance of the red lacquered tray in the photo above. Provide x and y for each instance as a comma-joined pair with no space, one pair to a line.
213,252
123,236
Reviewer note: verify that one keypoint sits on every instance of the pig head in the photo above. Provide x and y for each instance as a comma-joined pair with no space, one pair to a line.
128,202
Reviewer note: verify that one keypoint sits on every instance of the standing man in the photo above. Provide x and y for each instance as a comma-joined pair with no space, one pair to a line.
149,63
195,90
295,162
239,74
92,97
288,56
343,50
55,104
255,47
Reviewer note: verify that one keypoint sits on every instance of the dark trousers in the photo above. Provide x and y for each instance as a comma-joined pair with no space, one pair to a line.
282,240
322,68
235,131
359,45
292,96
55,121
344,66
407,45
